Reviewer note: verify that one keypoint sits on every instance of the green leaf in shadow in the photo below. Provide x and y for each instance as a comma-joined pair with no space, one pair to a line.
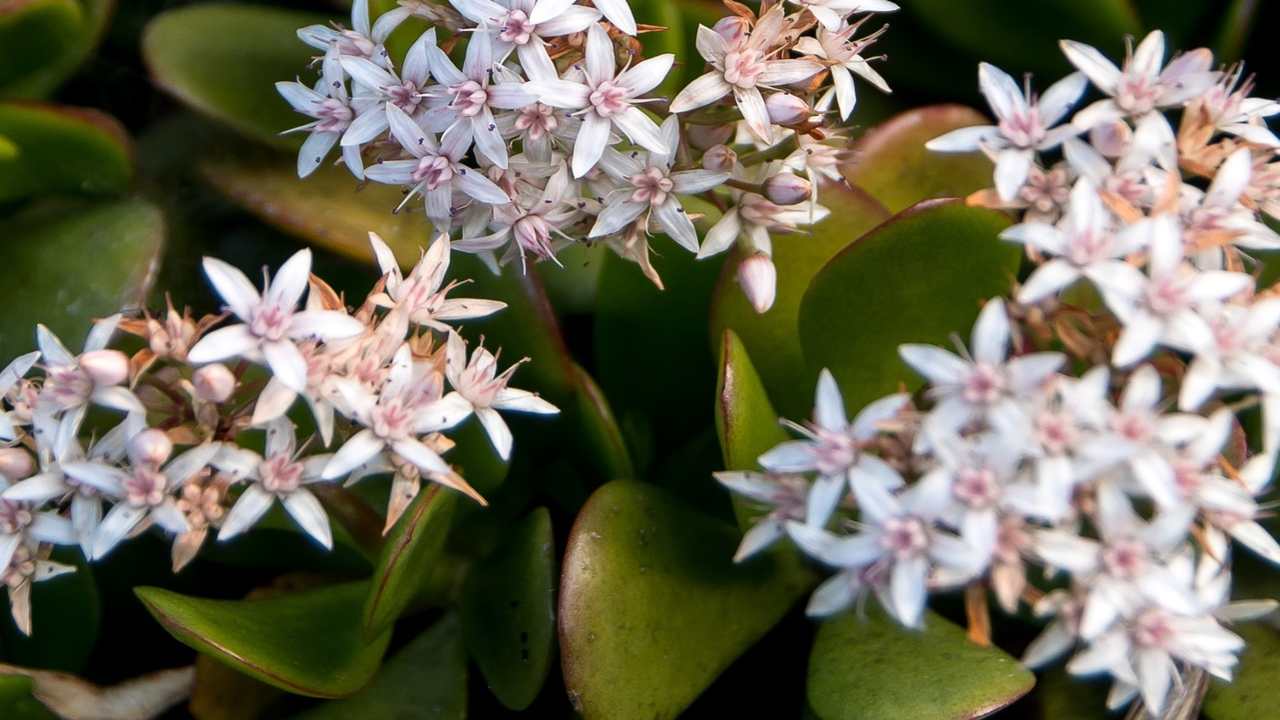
1252,695
17,702
62,149
308,643
60,44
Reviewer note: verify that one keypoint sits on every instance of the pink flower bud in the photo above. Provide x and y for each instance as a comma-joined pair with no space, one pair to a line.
720,158
787,189
759,281
106,367
16,463
732,28
150,447
787,109
214,383
705,136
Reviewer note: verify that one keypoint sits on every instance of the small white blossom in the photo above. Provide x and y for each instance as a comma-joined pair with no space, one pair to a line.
479,388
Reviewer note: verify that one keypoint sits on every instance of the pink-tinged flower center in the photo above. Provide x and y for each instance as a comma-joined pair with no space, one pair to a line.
651,186
1152,629
391,420
357,45
1137,94
905,537
1128,184
67,385
333,116
1125,558
469,98
270,321
834,452
984,385
1229,337
406,97
1088,246
516,28
14,517
480,382
1056,431
1167,295
1046,192
742,68
534,235
537,120
145,487
1023,129
608,98
433,171
280,474
1187,477
1134,427
976,487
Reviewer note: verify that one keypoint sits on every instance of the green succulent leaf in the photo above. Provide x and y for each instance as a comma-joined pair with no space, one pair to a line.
918,278
426,680
61,149
873,669
893,165
105,254
652,608
8,152
412,550
508,612
223,60
601,438
308,643
773,338
33,34
1252,694
65,616
17,702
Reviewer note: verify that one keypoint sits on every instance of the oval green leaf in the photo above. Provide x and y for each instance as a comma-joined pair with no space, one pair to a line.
1252,694
308,643
508,612
773,338
42,42
223,60
601,438
893,165
61,149
412,548
426,680
746,423
86,261
652,607
874,669
916,279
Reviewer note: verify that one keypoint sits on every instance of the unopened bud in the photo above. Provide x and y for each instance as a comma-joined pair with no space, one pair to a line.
787,189
1111,139
787,109
150,447
705,136
106,367
732,28
759,281
720,158
214,383
16,464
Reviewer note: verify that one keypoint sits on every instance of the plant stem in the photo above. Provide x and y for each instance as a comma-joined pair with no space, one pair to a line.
781,150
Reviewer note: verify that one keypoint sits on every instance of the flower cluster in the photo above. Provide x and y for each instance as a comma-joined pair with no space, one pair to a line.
550,133
382,383
1091,427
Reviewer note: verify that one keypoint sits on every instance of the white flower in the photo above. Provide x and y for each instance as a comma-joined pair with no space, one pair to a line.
618,13
278,474
786,497
753,218
743,68
1233,112
405,91
24,523
73,382
832,447
1024,126
843,57
10,377
522,25
974,474
1216,218
422,295
1238,353
1144,85
649,188
605,101
1198,477
329,104
272,324
831,13
436,170
360,41
1127,178
528,223
478,387
24,567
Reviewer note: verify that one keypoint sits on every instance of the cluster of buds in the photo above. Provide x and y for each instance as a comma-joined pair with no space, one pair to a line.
540,139
1091,427
383,384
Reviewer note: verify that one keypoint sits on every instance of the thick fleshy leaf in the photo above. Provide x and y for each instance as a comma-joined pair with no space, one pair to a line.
652,607
426,679
62,149
773,338
508,612
224,59
414,545
874,669
16,701
88,260
1253,693
43,41
308,643
918,278
746,422
65,616
892,164
601,436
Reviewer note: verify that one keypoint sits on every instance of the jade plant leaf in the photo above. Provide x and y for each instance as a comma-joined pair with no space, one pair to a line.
773,338
223,60
1252,694
425,680
652,608
104,254
17,702
61,149
412,548
308,643
601,436
42,42
873,669
894,167
918,278
508,612
746,423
